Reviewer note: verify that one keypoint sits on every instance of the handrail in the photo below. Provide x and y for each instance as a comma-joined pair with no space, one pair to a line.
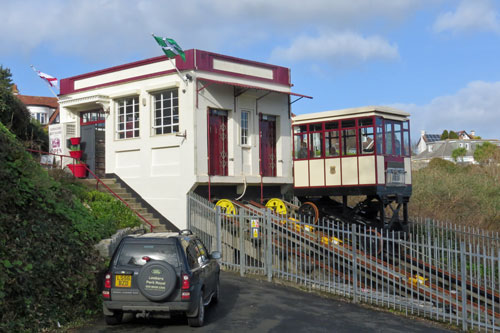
98,180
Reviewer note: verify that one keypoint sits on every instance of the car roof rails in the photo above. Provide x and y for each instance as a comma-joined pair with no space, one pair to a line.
185,232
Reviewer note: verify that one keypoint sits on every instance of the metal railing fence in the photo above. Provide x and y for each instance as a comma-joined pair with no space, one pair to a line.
434,271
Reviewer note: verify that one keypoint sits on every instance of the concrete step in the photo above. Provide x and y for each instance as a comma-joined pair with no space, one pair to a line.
108,181
160,228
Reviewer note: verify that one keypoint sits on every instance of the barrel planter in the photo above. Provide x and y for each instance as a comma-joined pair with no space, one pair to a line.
75,141
76,154
78,170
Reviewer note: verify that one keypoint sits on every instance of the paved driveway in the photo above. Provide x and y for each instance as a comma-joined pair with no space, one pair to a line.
249,305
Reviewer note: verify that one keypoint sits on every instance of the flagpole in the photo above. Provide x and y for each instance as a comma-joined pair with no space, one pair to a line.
53,93
183,78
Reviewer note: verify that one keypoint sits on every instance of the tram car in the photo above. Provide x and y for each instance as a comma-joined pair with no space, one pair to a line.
354,152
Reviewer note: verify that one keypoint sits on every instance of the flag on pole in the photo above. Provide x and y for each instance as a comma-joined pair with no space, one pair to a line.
52,81
170,47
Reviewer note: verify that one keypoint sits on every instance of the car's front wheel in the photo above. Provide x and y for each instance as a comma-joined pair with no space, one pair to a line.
200,317
115,319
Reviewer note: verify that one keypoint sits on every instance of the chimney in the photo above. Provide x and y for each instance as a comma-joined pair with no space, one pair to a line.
15,91
422,132
472,133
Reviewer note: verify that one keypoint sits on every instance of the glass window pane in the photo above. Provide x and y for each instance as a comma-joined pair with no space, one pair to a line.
315,127
388,138
397,139
380,139
300,146
349,142
348,123
406,143
316,145
331,125
366,140
300,129
332,147
365,122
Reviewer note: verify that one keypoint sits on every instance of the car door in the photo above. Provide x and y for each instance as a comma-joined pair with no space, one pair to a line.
209,266
197,265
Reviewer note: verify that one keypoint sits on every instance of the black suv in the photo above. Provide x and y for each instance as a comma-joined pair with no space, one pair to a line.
157,274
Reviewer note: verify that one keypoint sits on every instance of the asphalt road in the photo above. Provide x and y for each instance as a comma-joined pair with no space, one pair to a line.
249,305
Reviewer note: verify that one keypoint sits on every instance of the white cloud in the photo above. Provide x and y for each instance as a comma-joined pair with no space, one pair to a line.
333,47
475,107
470,15
98,28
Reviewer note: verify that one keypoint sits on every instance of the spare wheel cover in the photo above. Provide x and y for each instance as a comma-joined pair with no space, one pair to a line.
157,280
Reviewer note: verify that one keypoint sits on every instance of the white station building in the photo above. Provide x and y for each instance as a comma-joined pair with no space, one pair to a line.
220,128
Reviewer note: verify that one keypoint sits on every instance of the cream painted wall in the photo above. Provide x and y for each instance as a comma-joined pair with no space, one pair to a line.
162,169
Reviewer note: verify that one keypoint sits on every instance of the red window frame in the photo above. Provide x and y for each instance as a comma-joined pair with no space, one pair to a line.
100,119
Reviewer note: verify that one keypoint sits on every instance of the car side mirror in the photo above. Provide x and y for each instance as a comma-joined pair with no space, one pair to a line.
202,261
215,255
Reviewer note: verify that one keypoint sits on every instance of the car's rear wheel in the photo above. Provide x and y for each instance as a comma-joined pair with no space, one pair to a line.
200,317
115,319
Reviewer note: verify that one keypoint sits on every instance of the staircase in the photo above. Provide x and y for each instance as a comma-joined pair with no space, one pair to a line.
133,203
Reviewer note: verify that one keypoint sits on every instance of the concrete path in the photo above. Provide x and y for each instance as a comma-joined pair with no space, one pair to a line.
249,305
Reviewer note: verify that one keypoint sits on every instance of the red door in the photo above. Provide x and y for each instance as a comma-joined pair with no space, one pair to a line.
267,125
217,142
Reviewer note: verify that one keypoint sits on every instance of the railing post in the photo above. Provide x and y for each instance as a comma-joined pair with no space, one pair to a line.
354,262
218,225
463,276
269,250
242,246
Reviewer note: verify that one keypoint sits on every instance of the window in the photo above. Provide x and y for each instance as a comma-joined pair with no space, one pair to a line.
166,112
388,138
128,118
332,144
133,254
300,141
349,142
40,116
316,140
244,127
380,136
366,140
92,117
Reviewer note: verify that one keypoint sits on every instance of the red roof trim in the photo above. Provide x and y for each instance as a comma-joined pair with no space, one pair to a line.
196,60
251,87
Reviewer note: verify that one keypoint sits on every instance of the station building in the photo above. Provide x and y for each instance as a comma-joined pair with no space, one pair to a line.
217,125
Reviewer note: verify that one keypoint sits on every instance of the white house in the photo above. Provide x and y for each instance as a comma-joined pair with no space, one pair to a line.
220,128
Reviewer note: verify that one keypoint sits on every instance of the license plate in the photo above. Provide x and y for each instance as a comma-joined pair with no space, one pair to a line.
123,281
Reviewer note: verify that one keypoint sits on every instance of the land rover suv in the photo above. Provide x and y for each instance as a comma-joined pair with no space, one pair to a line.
157,274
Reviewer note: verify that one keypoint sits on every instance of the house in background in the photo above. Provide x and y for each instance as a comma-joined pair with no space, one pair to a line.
444,148
44,109
220,128
426,139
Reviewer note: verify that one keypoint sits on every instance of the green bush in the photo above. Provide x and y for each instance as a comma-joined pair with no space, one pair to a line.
466,195
48,267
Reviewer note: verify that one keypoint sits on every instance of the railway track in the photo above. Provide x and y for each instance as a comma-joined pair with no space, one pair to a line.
371,261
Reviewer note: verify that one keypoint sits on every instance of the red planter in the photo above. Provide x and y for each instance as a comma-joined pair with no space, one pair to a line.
75,141
78,170
76,153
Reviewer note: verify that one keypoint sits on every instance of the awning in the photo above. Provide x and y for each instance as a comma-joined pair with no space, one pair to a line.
250,87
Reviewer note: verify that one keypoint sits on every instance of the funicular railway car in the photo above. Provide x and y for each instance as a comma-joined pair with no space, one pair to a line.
354,152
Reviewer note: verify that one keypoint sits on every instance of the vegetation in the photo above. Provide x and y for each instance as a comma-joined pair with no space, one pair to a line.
48,226
16,117
444,135
458,154
467,195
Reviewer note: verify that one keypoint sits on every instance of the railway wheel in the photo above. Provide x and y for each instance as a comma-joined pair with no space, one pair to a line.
309,209
277,205
226,207
372,243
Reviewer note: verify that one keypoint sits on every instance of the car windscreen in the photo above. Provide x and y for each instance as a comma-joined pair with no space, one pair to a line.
137,254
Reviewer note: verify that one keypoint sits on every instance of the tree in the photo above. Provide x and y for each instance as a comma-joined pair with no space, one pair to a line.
444,135
453,135
16,117
486,153
458,154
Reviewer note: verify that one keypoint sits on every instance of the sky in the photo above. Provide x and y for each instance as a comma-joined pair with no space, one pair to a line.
439,60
